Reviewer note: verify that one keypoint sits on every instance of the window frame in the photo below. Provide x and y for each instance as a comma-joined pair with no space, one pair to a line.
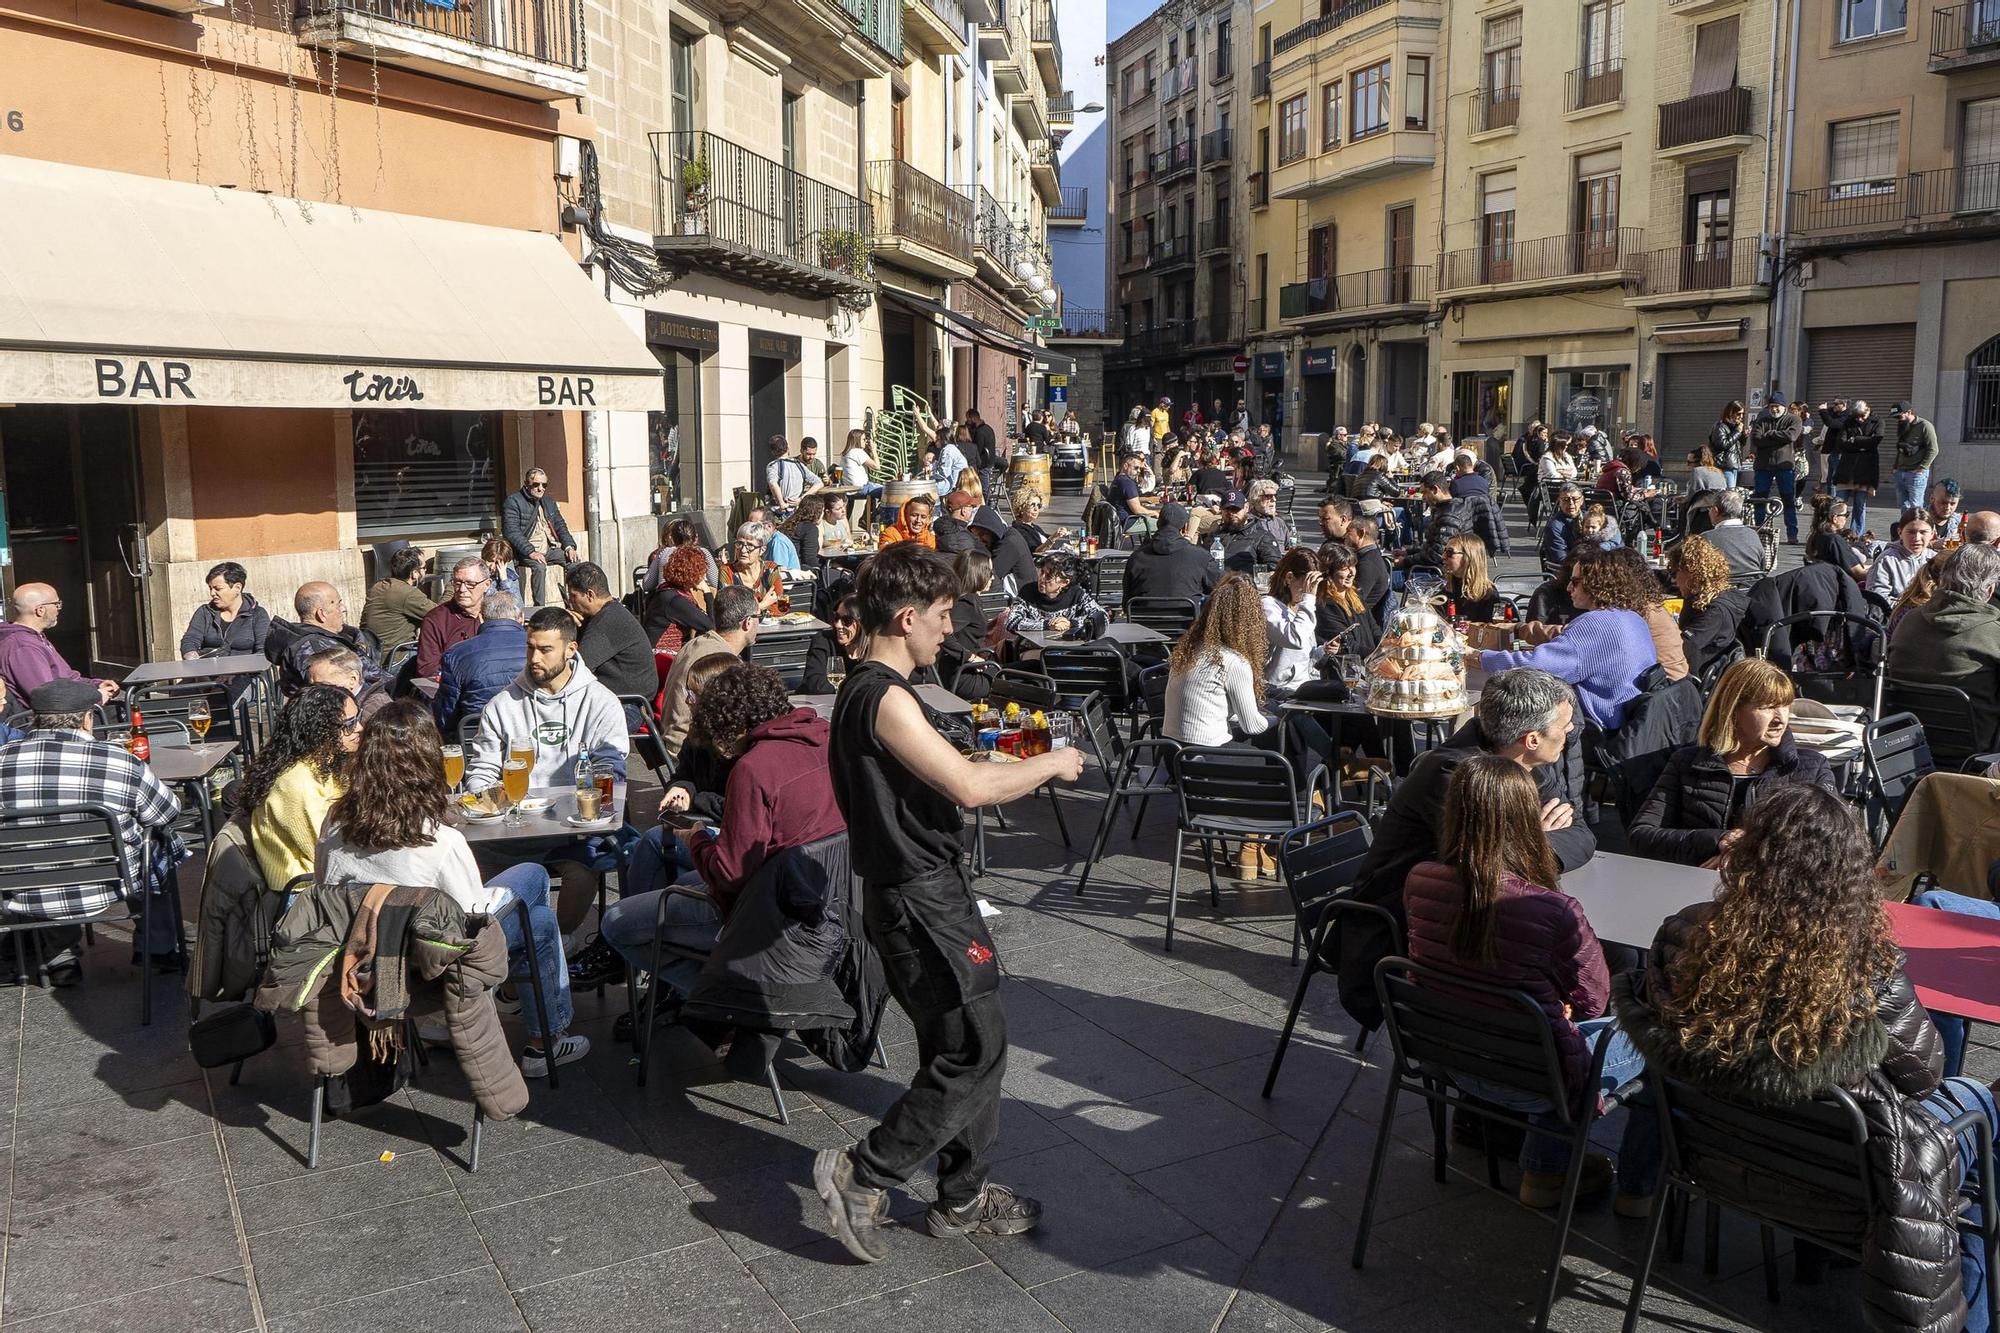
1847,8
1378,77
1869,186
1332,100
1417,88
1287,130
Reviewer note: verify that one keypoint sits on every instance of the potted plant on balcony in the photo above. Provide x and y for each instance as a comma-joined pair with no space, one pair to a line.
843,250
694,195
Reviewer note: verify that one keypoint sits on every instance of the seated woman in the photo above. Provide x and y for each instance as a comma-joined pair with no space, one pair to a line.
498,556
1027,505
1339,612
1057,604
296,777
1491,907
748,568
1602,652
1711,611
1594,525
1549,606
229,622
1788,985
1624,581
835,650
1291,618
1829,540
779,795
966,644
678,607
1468,585
1703,474
699,772
390,828
678,533
1744,749
1918,594
803,527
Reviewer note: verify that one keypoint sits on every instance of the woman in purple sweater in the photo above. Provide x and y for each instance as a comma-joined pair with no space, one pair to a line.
1602,652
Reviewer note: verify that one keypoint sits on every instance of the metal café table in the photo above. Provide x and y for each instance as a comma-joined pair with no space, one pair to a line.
189,766
1625,898
774,628
199,668
935,697
547,825
1119,632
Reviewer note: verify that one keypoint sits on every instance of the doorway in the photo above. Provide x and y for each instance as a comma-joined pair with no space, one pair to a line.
767,409
72,477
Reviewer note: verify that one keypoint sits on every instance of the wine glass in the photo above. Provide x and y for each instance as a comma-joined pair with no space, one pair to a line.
199,719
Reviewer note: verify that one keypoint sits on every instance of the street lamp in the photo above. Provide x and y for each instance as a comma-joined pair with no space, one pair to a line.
1091,108
1023,268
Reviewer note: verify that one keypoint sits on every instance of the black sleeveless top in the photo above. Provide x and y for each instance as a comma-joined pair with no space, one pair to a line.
901,828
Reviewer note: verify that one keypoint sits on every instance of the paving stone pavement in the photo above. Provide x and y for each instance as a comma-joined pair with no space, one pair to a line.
145,1193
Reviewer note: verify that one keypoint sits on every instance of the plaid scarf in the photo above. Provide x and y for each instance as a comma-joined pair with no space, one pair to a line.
374,976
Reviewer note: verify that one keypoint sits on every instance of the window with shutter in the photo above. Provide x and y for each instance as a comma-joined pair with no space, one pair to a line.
1500,74
1329,116
1979,156
1496,227
1715,56
1861,156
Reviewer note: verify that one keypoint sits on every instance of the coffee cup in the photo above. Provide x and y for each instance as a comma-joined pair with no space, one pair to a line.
588,803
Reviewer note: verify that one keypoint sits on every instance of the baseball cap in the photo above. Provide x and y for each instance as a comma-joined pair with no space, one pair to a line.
1902,407
1234,500
1174,515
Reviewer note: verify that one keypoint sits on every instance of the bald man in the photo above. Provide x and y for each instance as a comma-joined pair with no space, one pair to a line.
27,658
322,624
1983,526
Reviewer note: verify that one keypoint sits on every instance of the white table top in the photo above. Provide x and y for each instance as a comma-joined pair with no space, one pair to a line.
188,763
200,668
544,825
1626,898
935,697
767,629
1118,631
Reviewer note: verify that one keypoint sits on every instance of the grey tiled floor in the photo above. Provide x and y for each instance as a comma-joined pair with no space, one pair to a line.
145,1194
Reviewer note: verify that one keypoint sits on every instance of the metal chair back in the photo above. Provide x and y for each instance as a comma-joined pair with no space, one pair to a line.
1228,787
1946,713
1081,671
644,738
1897,756
1171,616
1318,862
166,701
1757,1159
1442,1025
784,654
1107,579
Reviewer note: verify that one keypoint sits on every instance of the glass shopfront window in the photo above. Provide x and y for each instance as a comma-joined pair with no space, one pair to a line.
426,472
674,434
1588,397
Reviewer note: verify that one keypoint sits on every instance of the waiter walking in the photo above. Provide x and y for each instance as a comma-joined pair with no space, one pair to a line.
904,789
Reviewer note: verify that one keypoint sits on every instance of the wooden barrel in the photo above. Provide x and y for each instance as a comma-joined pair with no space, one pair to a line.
1029,472
896,492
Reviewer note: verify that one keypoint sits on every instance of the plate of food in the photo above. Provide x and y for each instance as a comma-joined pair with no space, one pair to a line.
484,806
795,617
532,805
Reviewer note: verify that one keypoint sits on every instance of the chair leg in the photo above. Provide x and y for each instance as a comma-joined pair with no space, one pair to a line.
777,1093
1711,1240
1291,1020
1208,861
642,1036
1111,803
1639,1281
1579,1150
145,959
881,1057
1679,1208
1000,817
1174,887
236,1074
1375,1171
318,1113
1440,1146
1492,1165
478,1126
535,979
1055,800
1769,1241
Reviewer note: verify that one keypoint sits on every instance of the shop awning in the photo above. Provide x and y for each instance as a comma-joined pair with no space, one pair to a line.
954,321
122,288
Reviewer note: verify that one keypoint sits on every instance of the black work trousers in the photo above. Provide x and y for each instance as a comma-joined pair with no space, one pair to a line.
941,968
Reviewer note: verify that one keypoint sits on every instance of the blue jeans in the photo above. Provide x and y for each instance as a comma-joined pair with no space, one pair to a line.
1787,481
658,860
529,884
1728,478
1857,508
1638,1151
1910,487
1951,1027
1953,1098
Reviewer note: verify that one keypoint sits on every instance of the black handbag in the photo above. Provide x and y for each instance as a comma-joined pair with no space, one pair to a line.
230,1035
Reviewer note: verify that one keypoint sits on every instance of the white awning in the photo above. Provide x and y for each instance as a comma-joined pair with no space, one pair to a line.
122,288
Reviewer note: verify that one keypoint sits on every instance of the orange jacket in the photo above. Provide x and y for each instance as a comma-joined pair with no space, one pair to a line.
899,531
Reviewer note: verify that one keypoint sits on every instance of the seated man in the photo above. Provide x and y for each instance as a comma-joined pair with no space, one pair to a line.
60,762
953,528
27,658
395,605
341,668
610,640
534,527
478,668
1954,639
1451,516
1167,564
322,623
1740,545
1137,512
1247,546
455,619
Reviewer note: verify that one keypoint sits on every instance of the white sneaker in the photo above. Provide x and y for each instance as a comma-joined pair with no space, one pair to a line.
507,1000
568,1050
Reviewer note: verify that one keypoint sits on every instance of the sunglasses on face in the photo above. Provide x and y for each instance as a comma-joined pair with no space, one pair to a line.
350,723
846,620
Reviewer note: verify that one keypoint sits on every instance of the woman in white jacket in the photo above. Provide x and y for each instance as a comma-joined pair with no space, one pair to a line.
1291,613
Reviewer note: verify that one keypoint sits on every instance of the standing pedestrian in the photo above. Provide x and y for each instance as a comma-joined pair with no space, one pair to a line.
1916,450
1725,441
903,790
1774,435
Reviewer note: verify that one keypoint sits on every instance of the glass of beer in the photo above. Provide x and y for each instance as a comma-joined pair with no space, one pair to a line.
199,719
454,765
514,777
522,748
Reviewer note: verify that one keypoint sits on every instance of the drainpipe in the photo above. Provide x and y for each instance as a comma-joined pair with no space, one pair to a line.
1773,337
596,479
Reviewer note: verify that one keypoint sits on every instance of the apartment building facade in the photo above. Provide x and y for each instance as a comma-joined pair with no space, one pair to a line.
287,285
1892,223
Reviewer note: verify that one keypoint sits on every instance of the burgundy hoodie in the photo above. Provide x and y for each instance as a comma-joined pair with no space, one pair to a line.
779,795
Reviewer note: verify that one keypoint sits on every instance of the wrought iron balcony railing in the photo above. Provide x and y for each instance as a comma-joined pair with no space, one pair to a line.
1356,293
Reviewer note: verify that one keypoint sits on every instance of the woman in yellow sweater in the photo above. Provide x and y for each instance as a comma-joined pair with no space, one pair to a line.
296,777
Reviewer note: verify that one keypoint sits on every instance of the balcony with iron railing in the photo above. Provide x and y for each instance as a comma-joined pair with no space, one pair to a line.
1214,234
1170,252
938,26
1957,200
1045,174
919,223
1215,148
1697,123
1702,269
1356,296
1170,336
1045,38
1172,162
1003,44
1965,36
1260,79
1178,79
1260,189
721,208
881,22
1496,109
1325,23
1596,85
1223,67
1583,258
1073,208
527,48
1062,111
998,242
1085,324
1135,259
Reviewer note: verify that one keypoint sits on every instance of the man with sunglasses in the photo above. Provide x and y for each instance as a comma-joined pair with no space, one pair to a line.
534,527
455,619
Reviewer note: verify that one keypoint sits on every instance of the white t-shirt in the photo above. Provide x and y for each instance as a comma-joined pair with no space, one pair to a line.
854,467
444,863
1201,703
790,476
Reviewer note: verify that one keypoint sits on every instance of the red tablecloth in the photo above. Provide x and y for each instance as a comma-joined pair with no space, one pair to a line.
1952,959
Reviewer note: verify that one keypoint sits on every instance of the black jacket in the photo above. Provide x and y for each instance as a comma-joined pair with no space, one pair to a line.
1474,513
1249,548
822,657
1812,587
670,606
704,776
953,536
1372,578
1856,447
1362,633
1889,1060
1167,564
289,644
517,520
1712,632
1727,442
1775,437
1550,604
617,651
1665,716
1685,815
211,636
1033,535
984,453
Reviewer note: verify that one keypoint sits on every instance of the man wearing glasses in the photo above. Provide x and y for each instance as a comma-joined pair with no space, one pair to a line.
455,619
27,658
534,527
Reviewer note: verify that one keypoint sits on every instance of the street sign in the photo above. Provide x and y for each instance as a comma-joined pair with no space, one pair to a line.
1058,381
1058,393
1241,365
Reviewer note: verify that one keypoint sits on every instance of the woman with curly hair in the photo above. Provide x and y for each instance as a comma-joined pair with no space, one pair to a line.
1744,748
678,608
1711,611
803,527
390,828
1623,580
779,795
1602,652
1789,985
1057,603
296,777
1491,907
1467,583
1027,507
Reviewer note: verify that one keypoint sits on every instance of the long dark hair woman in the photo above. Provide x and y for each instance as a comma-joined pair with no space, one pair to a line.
1491,907
296,777
1789,984
837,649
391,828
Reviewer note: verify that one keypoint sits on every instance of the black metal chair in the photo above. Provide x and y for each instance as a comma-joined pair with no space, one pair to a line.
783,652
645,737
1171,616
1107,579
1896,756
1443,1027
394,660
1122,779
164,701
1031,690
1865,638
1814,1155
74,849
1078,672
1950,728
1232,793
1318,863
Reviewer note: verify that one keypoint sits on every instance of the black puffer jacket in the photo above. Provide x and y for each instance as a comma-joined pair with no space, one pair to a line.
1910,1247
1813,587
1687,812
1709,634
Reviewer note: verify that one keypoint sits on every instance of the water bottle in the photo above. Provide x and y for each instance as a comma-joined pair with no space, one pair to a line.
1215,549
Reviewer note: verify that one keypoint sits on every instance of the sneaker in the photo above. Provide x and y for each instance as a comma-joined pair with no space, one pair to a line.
568,1050
852,1211
1639,1206
65,969
598,964
507,1001
994,1211
1543,1189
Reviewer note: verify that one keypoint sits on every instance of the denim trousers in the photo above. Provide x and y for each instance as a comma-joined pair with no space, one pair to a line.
1857,507
1910,487
529,884
1953,1098
1638,1151
660,859
1787,482
1728,477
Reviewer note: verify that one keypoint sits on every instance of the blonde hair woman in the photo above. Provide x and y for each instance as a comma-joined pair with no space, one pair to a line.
1468,583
